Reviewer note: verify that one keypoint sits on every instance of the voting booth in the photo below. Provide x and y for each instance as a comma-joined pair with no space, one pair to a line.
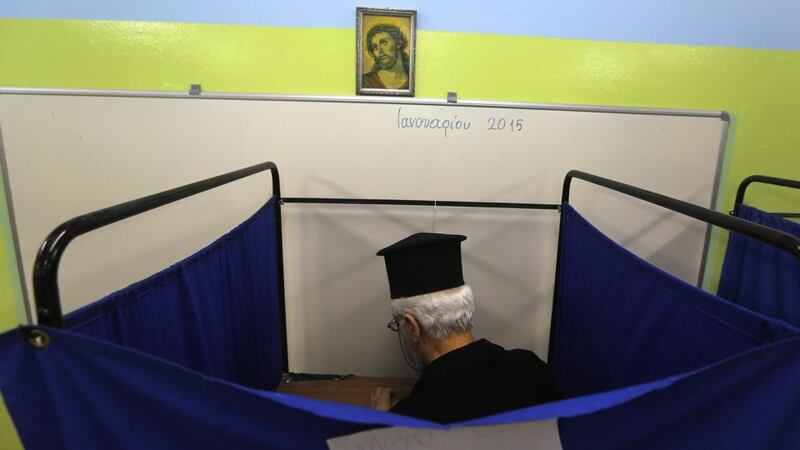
101,148
755,275
190,355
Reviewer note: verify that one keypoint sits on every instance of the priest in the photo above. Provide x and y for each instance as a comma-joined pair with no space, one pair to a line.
461,377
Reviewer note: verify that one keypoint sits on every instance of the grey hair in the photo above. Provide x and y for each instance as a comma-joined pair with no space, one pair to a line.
440,313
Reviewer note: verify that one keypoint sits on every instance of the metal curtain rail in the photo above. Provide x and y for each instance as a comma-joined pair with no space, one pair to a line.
446,203
769,235
763,233
45,270
784,182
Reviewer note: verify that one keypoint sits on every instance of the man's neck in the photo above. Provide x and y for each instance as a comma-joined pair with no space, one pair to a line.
395,77
436,349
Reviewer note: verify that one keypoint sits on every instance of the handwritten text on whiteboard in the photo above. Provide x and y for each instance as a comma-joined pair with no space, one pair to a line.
452,124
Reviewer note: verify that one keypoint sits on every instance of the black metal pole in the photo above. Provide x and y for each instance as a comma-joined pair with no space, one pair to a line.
785,182
443,203
276,193
45,270
551,344
765,234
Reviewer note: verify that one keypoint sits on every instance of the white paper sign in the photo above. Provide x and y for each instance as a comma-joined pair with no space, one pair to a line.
540,435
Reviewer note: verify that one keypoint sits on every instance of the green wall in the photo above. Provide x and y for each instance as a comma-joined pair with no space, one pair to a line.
11,308
759,88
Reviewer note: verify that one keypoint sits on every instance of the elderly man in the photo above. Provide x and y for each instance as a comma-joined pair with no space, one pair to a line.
462,378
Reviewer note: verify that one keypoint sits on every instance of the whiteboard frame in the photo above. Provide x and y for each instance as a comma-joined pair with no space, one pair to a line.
721,114
14,239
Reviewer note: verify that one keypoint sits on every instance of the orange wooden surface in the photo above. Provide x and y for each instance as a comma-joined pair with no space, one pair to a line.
353,390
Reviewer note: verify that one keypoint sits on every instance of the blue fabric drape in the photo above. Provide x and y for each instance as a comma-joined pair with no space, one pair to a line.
717,375
621,321
84,394
80,393
760,276
747,402
216,312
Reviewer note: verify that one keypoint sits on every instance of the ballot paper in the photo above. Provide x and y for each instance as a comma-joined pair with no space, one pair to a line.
538,435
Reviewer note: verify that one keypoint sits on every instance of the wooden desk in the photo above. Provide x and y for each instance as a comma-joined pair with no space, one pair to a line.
353,390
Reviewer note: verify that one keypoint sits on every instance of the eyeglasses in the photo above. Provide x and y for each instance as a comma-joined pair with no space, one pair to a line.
394,324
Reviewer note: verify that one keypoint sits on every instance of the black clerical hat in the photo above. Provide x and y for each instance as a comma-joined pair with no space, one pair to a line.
423,263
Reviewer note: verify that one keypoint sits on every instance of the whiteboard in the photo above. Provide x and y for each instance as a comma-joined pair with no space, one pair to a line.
70,154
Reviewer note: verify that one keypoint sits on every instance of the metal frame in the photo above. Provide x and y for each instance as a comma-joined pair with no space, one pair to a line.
723,144
722,115
775,181
445,203
45,270
765,234
14,234
198,94
411,48
194,95
45,277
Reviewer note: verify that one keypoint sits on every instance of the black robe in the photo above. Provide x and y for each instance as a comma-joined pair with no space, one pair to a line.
478,380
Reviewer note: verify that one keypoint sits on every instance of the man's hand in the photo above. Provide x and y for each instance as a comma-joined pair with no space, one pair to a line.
381,398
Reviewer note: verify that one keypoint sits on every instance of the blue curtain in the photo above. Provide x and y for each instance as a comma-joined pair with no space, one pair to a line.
215,312
760,276
79,393
621,321
747,402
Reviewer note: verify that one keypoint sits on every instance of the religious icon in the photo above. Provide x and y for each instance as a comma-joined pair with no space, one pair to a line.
385,43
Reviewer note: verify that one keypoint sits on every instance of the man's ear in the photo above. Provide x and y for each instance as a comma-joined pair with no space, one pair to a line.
413,329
